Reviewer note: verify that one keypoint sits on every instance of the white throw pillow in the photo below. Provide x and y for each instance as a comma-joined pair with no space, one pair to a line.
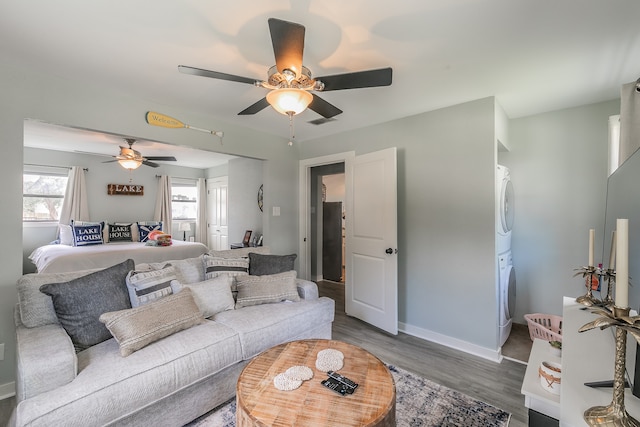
212,296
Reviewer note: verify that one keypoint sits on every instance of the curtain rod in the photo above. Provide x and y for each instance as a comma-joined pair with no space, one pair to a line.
179,177
51,166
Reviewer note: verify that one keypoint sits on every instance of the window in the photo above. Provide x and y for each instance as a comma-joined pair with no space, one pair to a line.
183,199
42,196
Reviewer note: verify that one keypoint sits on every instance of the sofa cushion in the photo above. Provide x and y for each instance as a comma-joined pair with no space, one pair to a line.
109,385
255,290
262,326
241,252
79,303
147,286
190,270
138,327
213,295
260,265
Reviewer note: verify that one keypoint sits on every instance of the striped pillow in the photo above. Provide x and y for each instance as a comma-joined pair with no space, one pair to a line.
214,267
148,286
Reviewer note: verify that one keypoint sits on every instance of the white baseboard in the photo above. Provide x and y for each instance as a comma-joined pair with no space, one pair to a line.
7,390
318,278
467,347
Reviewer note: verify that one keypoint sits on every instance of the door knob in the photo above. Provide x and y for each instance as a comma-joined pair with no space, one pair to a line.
389,251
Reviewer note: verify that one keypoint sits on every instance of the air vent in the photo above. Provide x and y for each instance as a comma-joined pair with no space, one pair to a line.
321,121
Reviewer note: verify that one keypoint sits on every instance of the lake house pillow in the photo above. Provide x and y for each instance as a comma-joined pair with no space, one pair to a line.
86,233
120,233
146,227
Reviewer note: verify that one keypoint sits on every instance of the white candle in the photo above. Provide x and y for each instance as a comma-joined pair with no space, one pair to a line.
612,254
622,264
592,235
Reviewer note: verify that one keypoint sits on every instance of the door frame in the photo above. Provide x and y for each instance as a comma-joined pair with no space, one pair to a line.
304,198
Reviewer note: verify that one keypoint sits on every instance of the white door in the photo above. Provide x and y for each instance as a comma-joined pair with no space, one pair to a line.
371,292
217,210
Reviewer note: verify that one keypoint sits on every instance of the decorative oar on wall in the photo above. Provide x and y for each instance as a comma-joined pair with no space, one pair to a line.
162,120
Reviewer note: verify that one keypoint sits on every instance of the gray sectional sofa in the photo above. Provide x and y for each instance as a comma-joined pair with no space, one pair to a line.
166,383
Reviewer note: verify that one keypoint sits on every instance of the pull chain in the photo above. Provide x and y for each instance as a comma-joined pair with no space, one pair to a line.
291,133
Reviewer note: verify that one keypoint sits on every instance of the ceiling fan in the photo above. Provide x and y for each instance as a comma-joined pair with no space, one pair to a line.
132,159
290,83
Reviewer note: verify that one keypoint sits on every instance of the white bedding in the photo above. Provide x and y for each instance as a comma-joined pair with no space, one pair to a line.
63,258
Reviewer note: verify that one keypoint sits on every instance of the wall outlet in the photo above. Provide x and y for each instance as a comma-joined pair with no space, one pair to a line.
2,351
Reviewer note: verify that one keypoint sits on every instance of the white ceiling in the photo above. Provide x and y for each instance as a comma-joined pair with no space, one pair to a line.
532,55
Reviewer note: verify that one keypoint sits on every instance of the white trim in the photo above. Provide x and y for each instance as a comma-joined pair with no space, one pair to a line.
304,201
7,390
467,347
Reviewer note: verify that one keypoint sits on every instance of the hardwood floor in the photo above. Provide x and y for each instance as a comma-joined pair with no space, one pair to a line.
497,384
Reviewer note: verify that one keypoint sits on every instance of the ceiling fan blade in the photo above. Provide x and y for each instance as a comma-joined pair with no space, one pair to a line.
324,108
255,108
358,80
110,161
215,74
148,163
288,44
161,158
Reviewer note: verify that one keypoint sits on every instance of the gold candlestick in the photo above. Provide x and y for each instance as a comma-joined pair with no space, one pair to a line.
588,272
615,414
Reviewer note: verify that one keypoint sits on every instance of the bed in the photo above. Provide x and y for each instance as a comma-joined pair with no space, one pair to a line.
64,258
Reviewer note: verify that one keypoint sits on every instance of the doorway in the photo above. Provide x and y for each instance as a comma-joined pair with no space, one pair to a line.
327,216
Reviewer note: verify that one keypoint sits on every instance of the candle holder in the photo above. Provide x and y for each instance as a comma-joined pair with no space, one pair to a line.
615,413
610,274
588,272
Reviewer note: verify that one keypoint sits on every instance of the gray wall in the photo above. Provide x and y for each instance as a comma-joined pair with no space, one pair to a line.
558,164
29,94
245,178
446,237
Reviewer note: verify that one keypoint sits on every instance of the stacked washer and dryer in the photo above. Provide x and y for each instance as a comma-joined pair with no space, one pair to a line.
506,277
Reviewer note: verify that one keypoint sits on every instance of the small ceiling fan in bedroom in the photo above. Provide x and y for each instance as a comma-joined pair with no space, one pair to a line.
290,83
132,159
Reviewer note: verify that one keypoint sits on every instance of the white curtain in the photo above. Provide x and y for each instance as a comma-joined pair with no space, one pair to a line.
201,212
629,121
163,204
75,205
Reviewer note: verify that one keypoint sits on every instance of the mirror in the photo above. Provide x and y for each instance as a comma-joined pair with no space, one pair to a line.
623,201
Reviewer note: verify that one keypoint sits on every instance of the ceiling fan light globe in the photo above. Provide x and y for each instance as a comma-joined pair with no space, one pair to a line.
289,100
130,163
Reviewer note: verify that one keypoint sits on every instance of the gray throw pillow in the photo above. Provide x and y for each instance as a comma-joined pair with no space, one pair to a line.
260,265
79,303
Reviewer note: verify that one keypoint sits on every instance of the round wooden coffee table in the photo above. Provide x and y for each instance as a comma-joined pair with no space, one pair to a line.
259,403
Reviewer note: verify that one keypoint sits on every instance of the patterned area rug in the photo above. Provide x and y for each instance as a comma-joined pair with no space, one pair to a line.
419,403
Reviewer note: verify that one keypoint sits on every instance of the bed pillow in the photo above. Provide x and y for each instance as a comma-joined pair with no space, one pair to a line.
119,233
138,327
146,227
213,296
85,233
79,303
66,234
214,266
256,290
147,286
260,265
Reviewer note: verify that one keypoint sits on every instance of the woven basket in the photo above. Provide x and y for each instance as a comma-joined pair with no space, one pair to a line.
546,327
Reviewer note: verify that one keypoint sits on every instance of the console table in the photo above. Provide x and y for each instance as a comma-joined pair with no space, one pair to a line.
586,357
